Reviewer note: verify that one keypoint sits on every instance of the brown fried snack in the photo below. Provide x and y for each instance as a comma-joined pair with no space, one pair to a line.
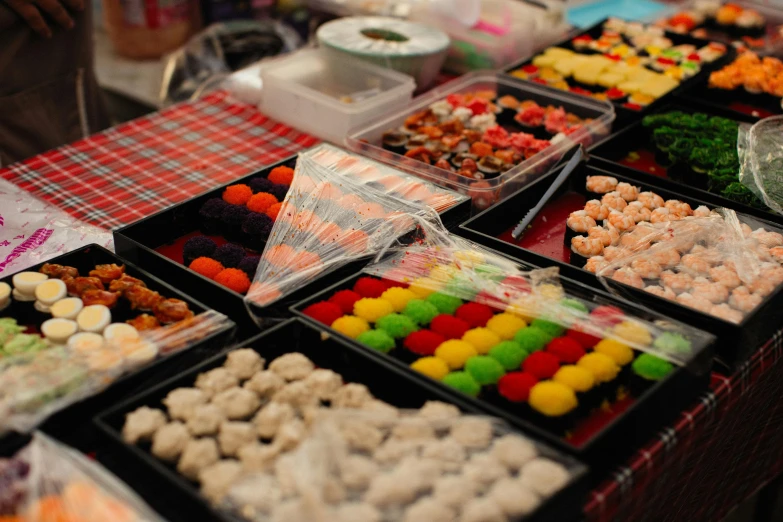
172,311
108,273
144,322
142,298
78,285
96,297
59,271
124,283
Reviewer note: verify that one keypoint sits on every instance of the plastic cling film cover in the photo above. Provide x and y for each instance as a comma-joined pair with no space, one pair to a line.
723,264
328,220
761,161
32,231
47,481
405,465
445,264
33,386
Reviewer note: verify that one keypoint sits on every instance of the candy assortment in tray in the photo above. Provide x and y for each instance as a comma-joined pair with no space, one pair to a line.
219,446
744,24
86,321
483,135
693,145
628,63
215,241
570,231
551,356
751,84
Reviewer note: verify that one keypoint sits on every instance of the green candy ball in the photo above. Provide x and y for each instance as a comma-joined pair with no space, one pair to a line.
463,382
397,325
420,311
532,339
574,304
551,329
509,354
377,340
673,343
446,304
651,367
485,369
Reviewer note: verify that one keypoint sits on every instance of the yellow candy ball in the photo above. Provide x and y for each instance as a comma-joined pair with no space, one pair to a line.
576,378
506,325
398,297
633,333
371,309
550,291
619,352
525,308
351,326
552,399
443,273
424,286
482,339
455,353
431,367
603,367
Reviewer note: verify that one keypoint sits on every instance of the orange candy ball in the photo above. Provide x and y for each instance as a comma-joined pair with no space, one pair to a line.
237,194
261,202
234,279
282,175
206,266
273,211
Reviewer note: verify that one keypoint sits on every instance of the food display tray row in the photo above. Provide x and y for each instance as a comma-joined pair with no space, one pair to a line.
543,245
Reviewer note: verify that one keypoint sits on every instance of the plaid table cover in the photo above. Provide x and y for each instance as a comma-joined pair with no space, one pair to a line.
716,455
138,168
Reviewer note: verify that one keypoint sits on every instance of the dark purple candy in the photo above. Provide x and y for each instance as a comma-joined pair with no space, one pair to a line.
234,215
213,208
249,265
261,185
199,246
278,191
257,225
229,255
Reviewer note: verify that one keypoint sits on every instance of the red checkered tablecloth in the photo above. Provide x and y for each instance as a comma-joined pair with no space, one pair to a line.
138,168
716,455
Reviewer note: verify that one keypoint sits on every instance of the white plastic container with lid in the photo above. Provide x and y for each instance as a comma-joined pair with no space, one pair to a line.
598,116
327,96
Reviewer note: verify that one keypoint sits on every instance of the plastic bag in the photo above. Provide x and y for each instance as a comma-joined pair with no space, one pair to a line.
219,50
442,262
333,215
761,161
33,231
408,466
47,481
33,386
724,264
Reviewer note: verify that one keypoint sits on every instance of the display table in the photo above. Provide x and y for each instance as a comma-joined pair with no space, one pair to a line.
719,452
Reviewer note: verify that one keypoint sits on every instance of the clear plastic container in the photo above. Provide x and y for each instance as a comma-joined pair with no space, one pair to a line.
327,97
487,192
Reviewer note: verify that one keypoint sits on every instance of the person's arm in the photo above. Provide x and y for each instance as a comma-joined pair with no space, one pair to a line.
32,11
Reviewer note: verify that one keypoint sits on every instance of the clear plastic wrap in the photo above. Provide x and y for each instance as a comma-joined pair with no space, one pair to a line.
33,386
761,160
33,231
403,467
47,481
447,264
332,215
723,264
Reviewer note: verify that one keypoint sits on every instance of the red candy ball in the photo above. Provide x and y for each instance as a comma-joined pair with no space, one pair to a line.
390,283
423,342
609,315
345,299
369,287
324,312
489,299
475,314
449,326
515,386
584,339
542,365
518,283
567,350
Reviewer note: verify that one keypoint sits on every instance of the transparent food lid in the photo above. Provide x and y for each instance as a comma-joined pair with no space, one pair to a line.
345,84
368,141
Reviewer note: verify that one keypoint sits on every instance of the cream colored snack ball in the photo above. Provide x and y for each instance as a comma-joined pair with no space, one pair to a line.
58,331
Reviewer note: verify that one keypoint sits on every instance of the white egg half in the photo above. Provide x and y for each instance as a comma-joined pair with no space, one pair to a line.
51,291
26,282
85,343
24,298
105,360
119,332
142,353
93,318
67,308
5,294
43,308
58,330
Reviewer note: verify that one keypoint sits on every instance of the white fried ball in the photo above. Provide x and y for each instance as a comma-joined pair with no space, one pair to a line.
264,384
234,435
142,424
183,401
197,455
271,417
218,478
292,366
237,403
243,363
169,441
205,420
215,381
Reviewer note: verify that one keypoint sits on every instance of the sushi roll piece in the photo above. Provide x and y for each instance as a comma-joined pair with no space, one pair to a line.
578,223
582,42
583,248
490,167
395,141
750,23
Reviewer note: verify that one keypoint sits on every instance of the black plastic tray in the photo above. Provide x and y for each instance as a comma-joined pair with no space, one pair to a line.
70,423
626,116
738,101
735,341
619,438
610,151
182,501
139,240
